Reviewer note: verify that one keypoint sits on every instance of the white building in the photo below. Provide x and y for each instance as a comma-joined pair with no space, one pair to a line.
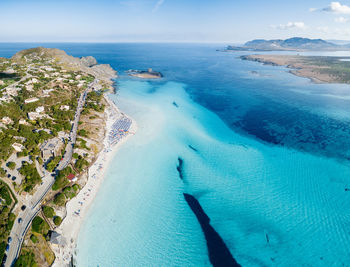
12,91
31,100
29,87
39,109
47,92
18,147
49,69
5,98
23,121
6,120
34,116
64,107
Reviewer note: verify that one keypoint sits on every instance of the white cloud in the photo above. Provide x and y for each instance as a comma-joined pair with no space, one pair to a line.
334,32
338,8
290,25
341,20
157,5
312,9
324,29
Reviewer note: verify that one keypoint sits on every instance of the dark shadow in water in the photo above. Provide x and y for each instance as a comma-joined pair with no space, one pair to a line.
193,148
179,168
175,104
219,254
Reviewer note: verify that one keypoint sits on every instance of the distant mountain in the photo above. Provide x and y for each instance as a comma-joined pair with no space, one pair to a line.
291,44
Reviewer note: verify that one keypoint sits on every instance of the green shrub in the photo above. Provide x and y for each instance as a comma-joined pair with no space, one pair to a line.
5,194
76,187
69,192
34,239
59,199
31,175
2,249
10,221
26,259
11,165
57,220
83,132
53,163
61,179
80,164
49,212
40,226
40,160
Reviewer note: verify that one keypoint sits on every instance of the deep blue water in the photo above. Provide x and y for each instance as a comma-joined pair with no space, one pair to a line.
310,117
276,170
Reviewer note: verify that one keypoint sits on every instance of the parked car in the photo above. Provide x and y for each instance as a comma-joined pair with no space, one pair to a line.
23,207
9,240
7,247
4,260
20,220
14,178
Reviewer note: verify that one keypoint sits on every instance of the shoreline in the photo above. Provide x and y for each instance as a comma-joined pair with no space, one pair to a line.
318,69
70,226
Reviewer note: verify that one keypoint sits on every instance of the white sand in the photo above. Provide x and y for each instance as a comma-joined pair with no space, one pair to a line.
70,226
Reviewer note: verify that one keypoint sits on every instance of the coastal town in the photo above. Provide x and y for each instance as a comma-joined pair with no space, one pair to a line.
54,121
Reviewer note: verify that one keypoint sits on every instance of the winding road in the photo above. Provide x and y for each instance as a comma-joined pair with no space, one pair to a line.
25,217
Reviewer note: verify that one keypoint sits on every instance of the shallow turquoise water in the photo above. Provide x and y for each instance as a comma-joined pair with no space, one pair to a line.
270,168
247,188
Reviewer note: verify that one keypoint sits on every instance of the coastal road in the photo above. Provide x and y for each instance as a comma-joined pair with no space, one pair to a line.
25,217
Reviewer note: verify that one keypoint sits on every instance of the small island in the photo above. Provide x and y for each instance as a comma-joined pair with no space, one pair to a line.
145,74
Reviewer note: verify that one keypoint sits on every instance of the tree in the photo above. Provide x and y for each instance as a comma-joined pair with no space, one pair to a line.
80,164
5,194
69,192
48,211
53,163
31,175
40,226
83,132
57,220
34,238
2,172
26,259
61,179
59,199
11,165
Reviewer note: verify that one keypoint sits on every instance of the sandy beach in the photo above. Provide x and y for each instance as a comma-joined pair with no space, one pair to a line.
77,207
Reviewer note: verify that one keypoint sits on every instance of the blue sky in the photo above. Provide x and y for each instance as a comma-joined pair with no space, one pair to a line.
228,21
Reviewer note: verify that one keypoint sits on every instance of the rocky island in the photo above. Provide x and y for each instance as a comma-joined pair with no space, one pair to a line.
54,123
145,74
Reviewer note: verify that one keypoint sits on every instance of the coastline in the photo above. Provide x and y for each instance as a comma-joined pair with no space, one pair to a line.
70,226
318,69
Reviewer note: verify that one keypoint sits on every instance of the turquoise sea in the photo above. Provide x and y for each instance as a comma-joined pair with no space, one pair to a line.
233,163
